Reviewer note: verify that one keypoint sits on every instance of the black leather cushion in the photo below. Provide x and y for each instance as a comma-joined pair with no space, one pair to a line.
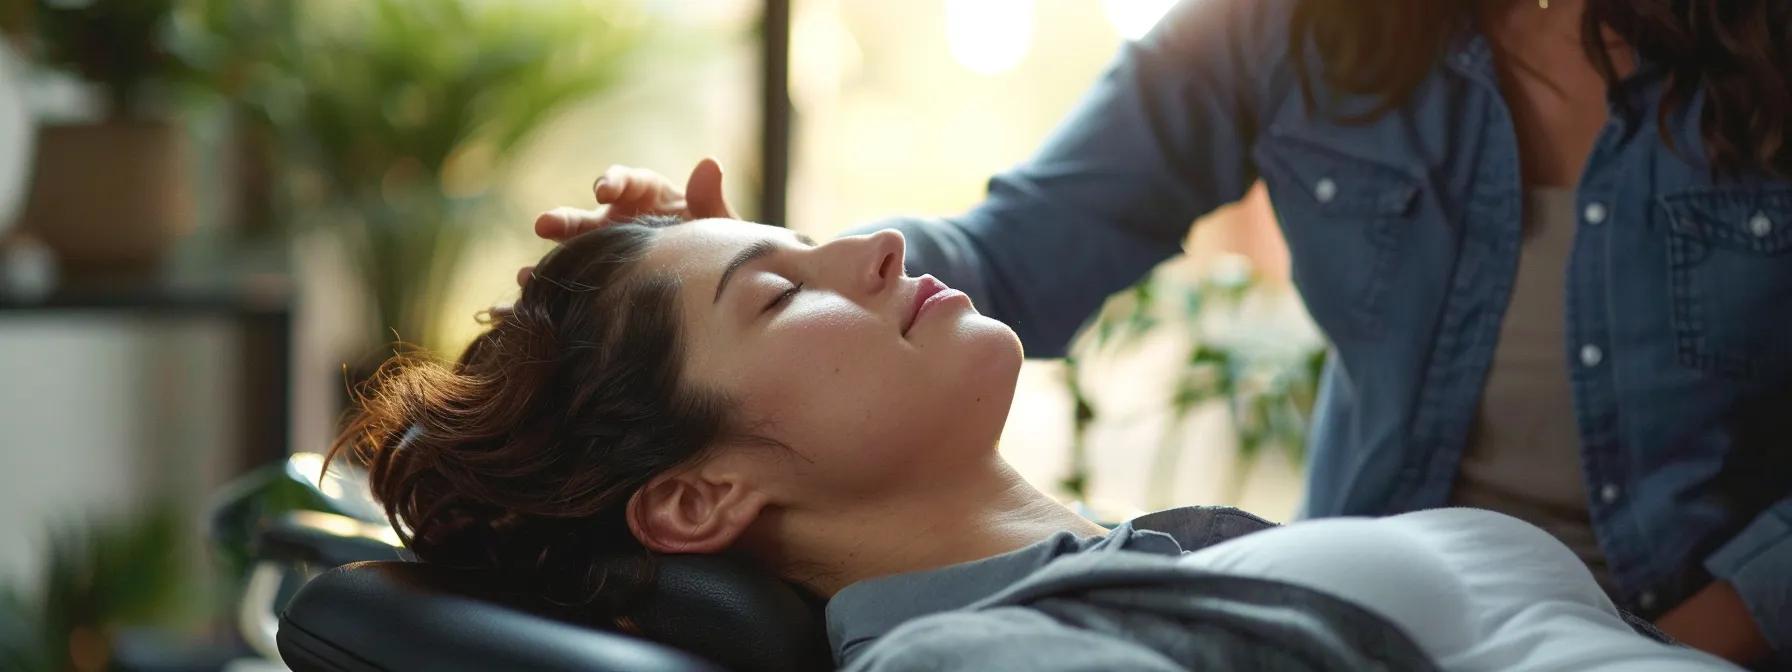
735,615
402,616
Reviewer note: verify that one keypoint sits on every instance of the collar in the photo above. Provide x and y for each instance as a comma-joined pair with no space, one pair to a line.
866,610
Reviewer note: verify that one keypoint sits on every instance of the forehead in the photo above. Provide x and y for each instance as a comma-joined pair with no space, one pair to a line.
696,252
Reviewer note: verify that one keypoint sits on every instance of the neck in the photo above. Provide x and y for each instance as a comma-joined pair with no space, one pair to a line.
981,512
1525,18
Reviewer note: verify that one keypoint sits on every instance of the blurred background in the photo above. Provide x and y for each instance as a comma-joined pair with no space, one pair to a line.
217,215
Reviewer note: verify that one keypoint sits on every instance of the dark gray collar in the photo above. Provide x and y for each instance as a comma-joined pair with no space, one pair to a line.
864,611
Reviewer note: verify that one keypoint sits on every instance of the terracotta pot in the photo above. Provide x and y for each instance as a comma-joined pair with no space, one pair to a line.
110,195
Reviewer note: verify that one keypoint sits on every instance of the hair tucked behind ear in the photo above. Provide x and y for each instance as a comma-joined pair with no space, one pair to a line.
521,456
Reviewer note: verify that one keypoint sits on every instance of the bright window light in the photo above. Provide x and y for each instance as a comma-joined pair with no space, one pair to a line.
989,37
1133,18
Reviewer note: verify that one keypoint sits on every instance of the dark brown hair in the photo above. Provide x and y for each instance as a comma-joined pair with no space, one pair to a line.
520,456
1738,52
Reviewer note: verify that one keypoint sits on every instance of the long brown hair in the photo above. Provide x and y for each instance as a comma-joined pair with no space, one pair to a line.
1738,52
519,457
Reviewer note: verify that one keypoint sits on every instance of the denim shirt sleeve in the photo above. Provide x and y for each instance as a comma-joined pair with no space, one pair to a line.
1162,138
1758,563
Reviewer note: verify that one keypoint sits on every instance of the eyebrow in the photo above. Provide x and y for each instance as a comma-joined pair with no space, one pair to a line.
748,255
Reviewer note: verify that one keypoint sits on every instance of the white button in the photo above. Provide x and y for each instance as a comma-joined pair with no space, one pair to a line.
1646,600
1325,190
1760,225
1591,355
1594,213
1609,493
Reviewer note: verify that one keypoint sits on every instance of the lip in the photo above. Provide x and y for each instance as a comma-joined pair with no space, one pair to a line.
928,292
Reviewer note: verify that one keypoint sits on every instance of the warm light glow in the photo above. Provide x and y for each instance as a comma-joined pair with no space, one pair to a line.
1133,18
308,466
823,54
989,37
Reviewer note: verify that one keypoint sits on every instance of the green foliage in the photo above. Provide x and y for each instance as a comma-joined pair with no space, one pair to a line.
408,109
1124,319
396,117
1268,393
23,645
99,574
249,501
392,118
231,44
1076,479
381,91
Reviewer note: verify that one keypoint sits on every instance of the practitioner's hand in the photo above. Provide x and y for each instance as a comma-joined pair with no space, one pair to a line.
1716,621
624,193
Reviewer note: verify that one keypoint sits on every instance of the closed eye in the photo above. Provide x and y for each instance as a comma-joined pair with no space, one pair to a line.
783,297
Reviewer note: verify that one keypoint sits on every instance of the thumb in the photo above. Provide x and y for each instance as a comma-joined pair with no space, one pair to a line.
703,192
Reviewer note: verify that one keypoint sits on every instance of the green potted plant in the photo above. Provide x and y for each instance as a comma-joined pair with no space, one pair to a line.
395,119
112,190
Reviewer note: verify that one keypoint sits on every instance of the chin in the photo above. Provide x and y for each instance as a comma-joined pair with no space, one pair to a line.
992,364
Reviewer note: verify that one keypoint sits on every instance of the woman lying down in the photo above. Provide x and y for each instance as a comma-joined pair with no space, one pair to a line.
721,386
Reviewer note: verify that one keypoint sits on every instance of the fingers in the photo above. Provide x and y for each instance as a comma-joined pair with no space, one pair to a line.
703,191
637,187
562,223
610,184
554,224
625,193
645,189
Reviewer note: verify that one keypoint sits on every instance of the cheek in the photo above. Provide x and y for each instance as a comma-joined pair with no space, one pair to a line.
854,369
846,391
823,363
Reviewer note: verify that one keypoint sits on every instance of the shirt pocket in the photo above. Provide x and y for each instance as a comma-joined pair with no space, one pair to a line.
1344,217
1730,279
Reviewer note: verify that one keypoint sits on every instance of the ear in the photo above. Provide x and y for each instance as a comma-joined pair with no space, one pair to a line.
693,512
703,191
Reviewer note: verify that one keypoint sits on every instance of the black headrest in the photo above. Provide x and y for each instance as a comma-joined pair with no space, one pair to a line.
400,615
735,614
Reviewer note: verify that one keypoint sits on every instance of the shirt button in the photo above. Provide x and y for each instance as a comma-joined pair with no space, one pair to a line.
1594,213
1760,225
1609,493
1646,600
1325,190
1591,355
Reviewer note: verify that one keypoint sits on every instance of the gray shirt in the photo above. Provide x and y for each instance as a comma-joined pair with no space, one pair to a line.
1523,455
1121,601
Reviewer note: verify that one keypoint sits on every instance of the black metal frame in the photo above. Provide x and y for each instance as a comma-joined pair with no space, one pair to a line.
775,112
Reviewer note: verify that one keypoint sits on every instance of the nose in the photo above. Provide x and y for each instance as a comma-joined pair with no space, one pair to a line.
888,249
872,263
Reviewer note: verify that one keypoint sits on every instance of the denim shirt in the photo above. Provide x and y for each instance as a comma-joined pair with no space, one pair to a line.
1404,234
